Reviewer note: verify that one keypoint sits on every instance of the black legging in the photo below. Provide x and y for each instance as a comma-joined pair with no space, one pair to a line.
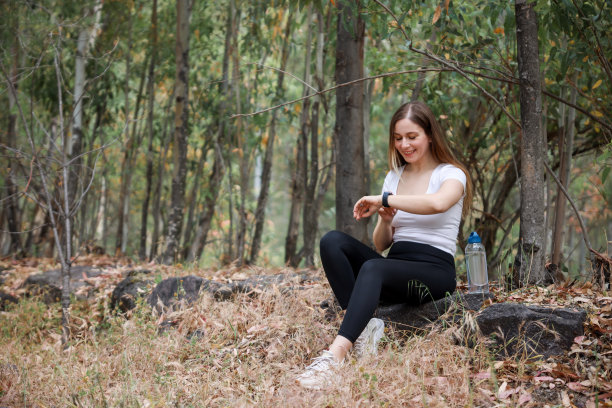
360,277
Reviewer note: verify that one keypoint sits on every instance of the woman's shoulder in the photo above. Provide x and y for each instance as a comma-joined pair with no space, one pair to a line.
394,174
448,170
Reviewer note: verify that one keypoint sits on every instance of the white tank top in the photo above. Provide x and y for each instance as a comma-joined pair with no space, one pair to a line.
438,230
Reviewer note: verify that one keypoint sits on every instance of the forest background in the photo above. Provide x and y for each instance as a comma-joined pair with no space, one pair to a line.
134,119
222,139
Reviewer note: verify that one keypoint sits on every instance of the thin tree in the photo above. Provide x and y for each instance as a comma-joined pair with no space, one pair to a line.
566,145
181,116
529,261
266,174
142,252
299,176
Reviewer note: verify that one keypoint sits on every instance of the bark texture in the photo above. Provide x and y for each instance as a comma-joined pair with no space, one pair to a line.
142,252
529,261
350,177
181,115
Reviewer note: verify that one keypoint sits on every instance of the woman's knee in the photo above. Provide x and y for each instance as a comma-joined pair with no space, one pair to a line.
332,239
370,273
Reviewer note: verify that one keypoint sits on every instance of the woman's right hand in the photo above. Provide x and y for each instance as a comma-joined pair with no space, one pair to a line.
386,214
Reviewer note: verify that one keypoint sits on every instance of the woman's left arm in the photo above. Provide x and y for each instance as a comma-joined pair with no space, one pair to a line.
449,194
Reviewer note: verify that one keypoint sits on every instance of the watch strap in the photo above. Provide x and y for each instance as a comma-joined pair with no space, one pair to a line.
385,199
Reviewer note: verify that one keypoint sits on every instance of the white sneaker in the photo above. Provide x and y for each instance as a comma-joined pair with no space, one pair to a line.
320,372
367,342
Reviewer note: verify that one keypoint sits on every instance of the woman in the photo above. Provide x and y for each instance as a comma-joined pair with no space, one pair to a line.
419,212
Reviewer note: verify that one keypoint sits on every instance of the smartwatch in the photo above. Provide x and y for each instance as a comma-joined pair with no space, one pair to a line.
385,198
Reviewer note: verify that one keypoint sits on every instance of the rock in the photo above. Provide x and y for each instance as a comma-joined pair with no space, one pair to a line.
134,286
49,284
170,292
410,318
5,299
531,331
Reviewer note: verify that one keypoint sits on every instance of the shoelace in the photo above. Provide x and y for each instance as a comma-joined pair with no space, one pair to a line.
321,363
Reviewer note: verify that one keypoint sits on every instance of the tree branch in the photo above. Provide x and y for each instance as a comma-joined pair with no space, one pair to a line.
385,75
585,236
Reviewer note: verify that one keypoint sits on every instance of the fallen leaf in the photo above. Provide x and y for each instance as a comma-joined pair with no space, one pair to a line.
524,398
483,375
579,339
575,386
565,399
543,378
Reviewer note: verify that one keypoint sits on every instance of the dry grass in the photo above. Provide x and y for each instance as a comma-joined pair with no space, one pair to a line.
243,352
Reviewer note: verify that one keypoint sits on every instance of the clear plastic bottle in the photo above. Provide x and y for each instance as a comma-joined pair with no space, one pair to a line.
476,263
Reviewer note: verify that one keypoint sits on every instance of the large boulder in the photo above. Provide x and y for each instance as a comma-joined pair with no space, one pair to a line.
49,284
135,285
409,318
530,331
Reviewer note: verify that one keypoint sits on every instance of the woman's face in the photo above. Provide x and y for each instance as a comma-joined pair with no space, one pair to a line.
411,141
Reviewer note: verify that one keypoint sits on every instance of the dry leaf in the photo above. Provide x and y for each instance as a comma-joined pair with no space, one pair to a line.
524,398
575,386
436,16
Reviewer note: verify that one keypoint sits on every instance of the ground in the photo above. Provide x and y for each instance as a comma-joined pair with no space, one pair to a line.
247,351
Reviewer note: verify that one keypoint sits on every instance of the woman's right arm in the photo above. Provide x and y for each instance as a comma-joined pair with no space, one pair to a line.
383,233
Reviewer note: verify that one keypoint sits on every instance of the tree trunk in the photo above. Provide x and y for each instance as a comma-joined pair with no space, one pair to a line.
218,170
123,194
10,201
311,204
243,154
566,145
299,178
266,174
87,229
142,251
86,39
529,261
181,116
192,201
157,219
350,179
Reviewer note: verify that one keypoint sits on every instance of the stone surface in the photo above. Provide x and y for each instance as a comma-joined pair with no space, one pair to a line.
5,299
49,284
135,285
410,318
530,331
170,292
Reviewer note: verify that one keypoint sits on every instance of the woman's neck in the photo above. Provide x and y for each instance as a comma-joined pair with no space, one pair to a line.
427,163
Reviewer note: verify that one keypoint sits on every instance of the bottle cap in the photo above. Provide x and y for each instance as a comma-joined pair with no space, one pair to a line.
474,238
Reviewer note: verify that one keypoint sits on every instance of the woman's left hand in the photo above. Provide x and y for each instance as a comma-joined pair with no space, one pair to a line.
367,206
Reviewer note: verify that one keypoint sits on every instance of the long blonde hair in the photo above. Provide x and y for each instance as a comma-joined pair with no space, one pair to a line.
419,113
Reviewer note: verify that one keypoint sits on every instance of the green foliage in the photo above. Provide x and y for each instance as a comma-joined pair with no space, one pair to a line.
479,37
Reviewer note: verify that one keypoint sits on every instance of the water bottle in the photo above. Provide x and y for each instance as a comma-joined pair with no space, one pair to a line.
476,263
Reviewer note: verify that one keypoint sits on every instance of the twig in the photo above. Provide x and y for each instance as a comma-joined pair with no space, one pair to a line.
582,226
284,72
385,75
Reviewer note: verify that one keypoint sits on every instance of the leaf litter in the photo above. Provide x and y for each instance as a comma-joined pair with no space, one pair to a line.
247,351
